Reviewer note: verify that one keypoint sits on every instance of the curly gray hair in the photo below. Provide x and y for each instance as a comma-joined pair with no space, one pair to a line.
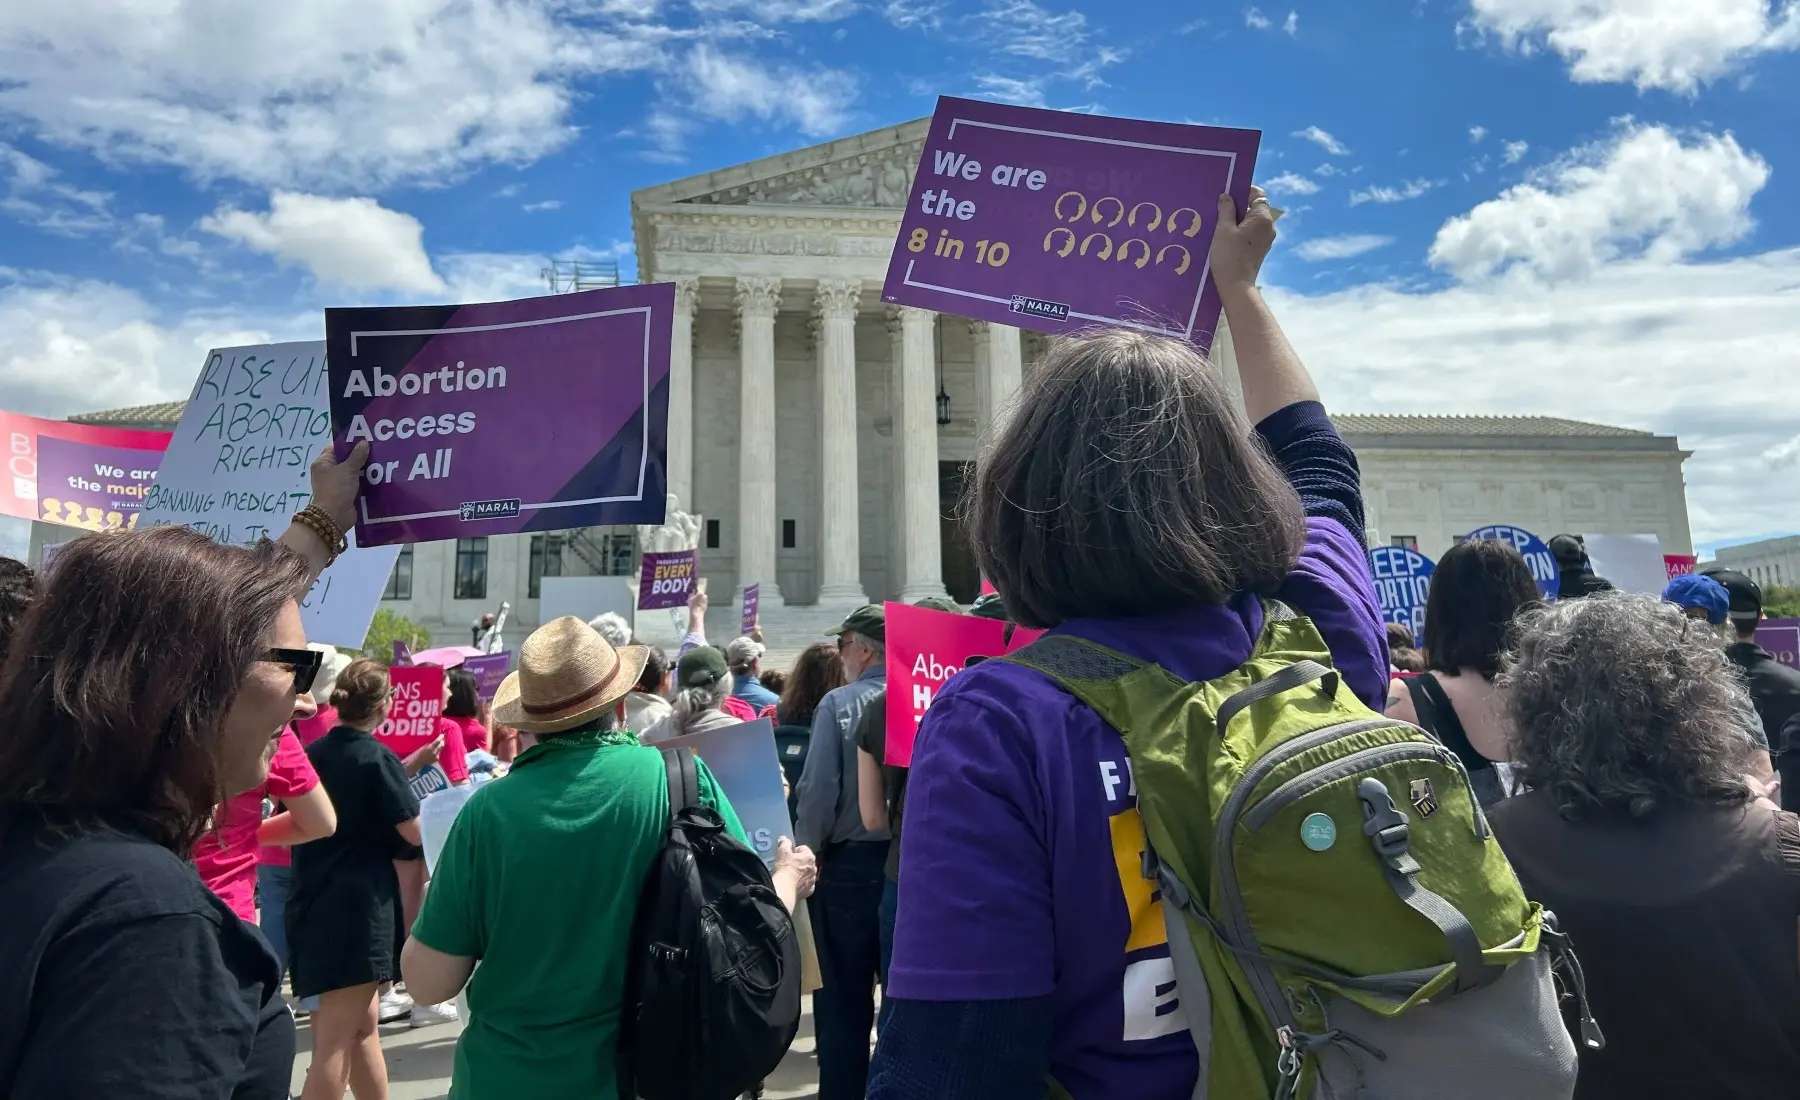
1621,703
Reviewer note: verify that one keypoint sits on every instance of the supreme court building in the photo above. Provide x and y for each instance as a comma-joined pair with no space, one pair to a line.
824,437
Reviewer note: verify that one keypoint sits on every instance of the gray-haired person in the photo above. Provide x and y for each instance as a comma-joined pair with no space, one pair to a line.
744,657
1679,887
702,684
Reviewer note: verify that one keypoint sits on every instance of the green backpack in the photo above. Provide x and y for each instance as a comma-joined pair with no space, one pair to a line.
1343,924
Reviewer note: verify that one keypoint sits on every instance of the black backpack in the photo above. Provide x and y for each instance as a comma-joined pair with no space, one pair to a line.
713,980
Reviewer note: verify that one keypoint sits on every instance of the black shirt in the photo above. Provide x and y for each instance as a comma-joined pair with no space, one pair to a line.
1774,688
121,974
871,737
367,786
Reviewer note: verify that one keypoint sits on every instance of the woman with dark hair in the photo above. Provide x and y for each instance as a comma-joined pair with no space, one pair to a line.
1123,499
1639,832
466,708
149,683
344,920
818,671
1477,589
647,703
1403,653
18,587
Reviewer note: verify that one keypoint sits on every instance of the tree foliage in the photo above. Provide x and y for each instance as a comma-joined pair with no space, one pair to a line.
388,627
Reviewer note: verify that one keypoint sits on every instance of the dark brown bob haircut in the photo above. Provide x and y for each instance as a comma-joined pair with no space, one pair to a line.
1477,589
361,689
121,676
1125,482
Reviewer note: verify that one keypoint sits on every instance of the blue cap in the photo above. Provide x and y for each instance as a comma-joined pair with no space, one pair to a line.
1704,593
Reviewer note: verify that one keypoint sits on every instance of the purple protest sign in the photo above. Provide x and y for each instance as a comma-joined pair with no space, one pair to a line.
488,670
91,485
1781,639
752,602
1057,221
668,578
402,653
536,415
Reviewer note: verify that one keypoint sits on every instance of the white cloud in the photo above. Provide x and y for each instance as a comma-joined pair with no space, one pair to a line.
1327,170
1023,28
1292,23
733,88
34,193
781,11
1637,343
912,13
1783,454
1411,189
1010,89
1642,191
1323,140
1341,248
1675,45
1515,151
354,243
1290,184
1255,19
354,94
540,207
1477,134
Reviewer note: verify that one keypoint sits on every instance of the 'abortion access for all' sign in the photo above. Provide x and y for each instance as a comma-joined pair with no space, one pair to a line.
536,415
1057,221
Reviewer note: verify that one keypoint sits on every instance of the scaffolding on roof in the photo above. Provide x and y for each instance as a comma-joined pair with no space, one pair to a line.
569,276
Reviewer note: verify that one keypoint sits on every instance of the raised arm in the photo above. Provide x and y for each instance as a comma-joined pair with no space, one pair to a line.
334,488
1272,375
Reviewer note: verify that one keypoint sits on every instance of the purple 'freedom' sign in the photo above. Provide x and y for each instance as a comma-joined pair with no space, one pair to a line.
536,415
1056,221
668,579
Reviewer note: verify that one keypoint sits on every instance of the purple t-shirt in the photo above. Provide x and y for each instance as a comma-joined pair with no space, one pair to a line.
1021,871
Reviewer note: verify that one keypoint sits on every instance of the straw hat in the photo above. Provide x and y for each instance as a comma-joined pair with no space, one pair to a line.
568,675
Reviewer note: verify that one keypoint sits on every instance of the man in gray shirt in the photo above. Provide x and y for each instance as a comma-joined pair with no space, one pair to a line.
846,906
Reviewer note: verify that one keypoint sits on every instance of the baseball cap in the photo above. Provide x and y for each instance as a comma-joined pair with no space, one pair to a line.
1700,592
989,607
1746,598
702,666
939,603
869,620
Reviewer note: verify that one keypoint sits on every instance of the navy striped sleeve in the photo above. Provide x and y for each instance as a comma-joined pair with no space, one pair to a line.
964,1050
1319,464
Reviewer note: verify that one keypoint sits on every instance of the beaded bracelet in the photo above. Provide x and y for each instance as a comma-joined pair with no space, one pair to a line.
315,519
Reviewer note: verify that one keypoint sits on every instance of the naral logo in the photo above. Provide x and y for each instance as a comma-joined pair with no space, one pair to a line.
490,509
1037,307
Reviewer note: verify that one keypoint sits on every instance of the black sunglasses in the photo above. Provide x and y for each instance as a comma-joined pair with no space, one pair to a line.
305,663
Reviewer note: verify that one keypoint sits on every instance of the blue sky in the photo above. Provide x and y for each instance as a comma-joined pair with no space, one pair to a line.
1582,208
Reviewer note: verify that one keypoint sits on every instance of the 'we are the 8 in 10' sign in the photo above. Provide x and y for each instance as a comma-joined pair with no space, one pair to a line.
1055,221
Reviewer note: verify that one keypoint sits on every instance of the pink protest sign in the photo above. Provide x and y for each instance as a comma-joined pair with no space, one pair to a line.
924,649
668,578
1676,565
24,437
418,702
1057,221
752,601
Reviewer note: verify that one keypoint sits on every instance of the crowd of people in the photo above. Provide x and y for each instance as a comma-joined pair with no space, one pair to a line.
189,831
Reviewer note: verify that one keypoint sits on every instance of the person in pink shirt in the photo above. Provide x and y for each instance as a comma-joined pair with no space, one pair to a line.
227,856
463,706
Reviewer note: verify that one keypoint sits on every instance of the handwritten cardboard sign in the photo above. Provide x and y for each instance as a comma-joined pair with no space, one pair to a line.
23,436
743,762
541,414
239,465
1537,555
668,578
1057,221
1402,581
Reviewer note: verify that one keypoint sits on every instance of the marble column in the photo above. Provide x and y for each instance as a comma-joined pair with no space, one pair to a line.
681,391
916,436
757,300
840,558
999,363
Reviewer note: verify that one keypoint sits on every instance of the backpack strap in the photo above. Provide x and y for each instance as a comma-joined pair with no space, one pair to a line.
684,779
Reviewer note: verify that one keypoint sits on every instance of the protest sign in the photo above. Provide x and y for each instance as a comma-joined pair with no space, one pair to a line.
752,601
1537,555
1402,580
239,468
1633,563
91,485
418,703
1057,221
1677,565
1781,638
537,415
924,649
430,780
668,578
488,669
23,435
743,762
402,653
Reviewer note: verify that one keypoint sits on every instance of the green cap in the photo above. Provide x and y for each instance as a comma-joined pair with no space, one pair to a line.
869,620
939,603
989,607
702,666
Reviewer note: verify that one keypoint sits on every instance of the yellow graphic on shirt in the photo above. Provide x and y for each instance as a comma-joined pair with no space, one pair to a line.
1147,927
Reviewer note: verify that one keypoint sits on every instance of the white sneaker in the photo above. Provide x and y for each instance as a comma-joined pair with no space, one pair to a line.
394,1006
427,1015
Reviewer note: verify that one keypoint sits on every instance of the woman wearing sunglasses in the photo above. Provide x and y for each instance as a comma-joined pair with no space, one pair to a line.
149,683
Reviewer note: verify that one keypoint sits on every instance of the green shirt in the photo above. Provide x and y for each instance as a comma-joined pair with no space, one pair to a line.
539,882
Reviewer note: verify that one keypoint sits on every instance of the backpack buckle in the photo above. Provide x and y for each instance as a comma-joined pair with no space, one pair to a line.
1383,822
